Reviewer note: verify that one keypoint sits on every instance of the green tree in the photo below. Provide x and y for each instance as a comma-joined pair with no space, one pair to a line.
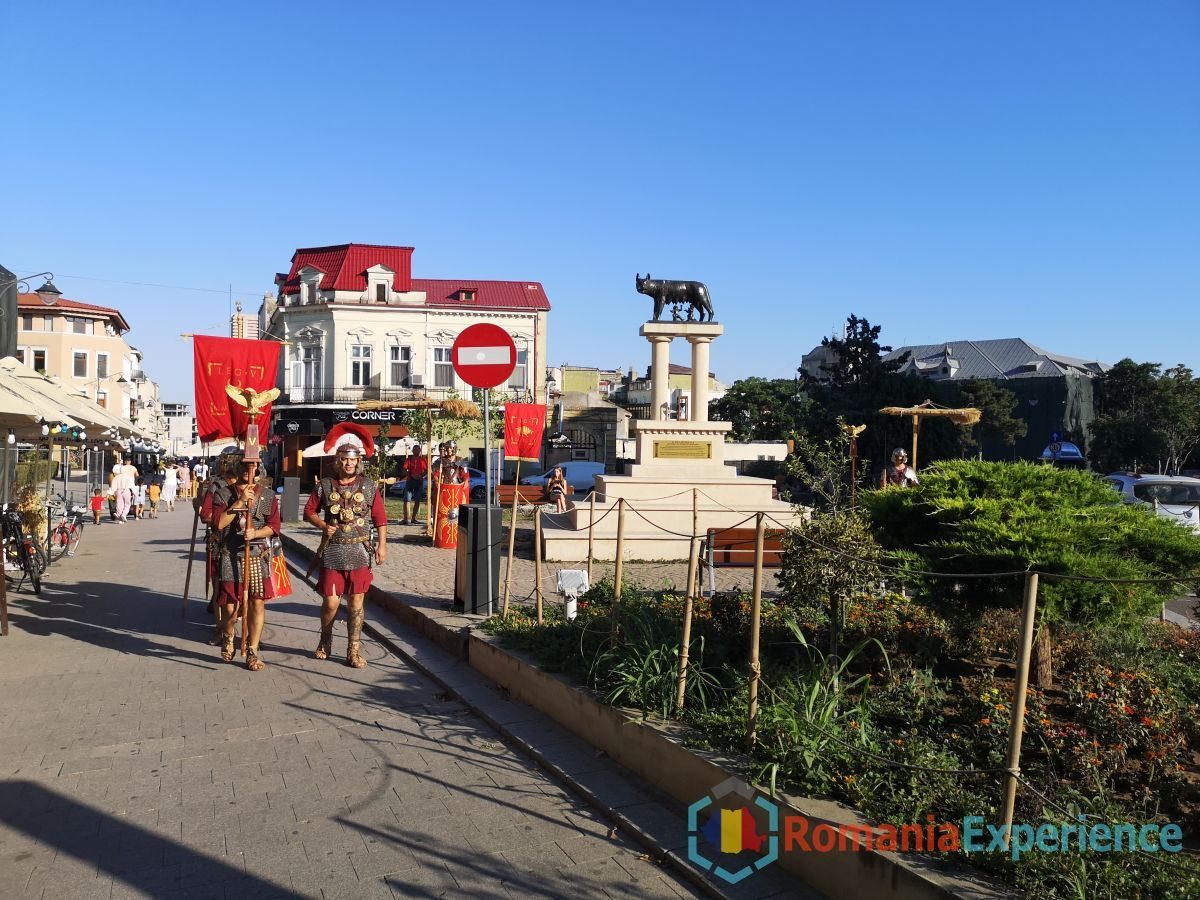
761,409
997,423
858,357
1146,417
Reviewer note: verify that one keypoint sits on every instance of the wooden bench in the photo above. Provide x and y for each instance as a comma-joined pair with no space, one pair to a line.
735,547
528,493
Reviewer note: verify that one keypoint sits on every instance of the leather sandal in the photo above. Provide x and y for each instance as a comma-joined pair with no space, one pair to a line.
253,661
227,651
324,644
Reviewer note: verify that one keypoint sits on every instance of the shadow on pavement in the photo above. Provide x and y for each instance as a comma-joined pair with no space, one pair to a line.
128,853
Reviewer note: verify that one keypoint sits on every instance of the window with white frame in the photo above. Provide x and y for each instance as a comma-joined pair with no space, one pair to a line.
78,324
101,365
443,368
47,323
39,359
519,379
400,363
102,400
360,365
80,364
27,321
381,292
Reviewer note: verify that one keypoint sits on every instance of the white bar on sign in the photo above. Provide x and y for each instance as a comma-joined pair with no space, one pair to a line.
484,356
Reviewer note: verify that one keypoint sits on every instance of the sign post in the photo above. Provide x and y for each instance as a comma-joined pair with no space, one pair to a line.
484,356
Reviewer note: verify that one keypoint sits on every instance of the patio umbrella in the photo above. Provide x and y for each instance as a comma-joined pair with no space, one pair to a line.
967,415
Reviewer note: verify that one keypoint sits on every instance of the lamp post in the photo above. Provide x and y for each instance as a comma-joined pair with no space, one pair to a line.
9,283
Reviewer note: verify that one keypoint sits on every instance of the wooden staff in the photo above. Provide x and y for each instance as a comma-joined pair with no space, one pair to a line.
755,628
617,571
187,581
430,518
512,540
1016,724
591,531
537,561
251,472
689,598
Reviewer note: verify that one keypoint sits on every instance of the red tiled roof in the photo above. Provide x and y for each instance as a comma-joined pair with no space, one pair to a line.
33,303
443,292
343,266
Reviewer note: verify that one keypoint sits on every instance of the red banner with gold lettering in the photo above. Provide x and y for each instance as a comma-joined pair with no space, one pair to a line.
523,427
242,363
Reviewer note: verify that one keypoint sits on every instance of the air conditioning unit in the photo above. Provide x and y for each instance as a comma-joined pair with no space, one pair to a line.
417,381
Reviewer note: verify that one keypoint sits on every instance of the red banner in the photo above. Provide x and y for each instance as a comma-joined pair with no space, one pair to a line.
242,363
523,427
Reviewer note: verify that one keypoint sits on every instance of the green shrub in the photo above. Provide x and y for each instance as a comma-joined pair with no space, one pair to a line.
969,517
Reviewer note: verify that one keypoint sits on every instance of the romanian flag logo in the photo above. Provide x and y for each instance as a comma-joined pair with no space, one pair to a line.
732,831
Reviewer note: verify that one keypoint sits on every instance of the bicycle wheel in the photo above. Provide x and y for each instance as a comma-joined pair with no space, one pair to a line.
60,540
76,534
14,563
35,565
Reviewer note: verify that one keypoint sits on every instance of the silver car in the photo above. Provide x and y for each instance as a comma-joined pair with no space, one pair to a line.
1172,496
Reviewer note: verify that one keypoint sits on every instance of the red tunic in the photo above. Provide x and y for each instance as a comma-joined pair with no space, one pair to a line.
339,582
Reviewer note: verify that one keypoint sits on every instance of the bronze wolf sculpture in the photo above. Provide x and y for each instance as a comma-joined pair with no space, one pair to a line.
692,293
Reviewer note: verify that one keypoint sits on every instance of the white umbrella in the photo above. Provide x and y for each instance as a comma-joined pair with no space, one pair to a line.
400,447
213,449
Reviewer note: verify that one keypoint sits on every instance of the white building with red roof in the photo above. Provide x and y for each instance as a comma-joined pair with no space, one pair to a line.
359,326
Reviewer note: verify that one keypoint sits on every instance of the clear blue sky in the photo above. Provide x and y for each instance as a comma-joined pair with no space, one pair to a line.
949,170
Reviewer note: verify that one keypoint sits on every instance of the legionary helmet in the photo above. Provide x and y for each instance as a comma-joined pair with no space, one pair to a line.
899,455
349,439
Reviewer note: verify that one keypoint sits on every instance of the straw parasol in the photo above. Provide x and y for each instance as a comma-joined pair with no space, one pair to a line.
967,415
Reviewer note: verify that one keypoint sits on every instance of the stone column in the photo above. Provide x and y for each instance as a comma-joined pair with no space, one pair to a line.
660,368
699,410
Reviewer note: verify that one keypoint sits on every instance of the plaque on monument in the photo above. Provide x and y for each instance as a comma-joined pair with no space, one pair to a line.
682,450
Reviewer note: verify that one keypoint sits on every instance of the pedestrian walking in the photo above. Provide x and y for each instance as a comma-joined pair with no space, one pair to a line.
170,487
124,480
346,507
139,498
253,516
185,481
153,493
97,504
416,467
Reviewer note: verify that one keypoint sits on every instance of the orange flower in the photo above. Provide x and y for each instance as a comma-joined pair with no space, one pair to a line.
985,721
1147,721
1092,695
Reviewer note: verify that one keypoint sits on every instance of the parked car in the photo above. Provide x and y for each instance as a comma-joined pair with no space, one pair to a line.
1172,496
580,475
478,486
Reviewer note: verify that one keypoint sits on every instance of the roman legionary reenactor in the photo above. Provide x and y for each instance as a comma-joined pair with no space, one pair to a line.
252,514
216,490
347,507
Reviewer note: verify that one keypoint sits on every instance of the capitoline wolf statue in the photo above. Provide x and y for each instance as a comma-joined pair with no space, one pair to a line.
693,294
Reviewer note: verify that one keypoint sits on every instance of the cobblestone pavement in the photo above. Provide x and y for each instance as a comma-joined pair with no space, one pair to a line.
137,764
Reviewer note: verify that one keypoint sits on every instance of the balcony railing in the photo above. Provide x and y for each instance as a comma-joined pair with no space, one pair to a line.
350,395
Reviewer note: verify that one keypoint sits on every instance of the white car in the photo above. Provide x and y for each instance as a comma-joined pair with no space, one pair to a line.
1172,496
580,475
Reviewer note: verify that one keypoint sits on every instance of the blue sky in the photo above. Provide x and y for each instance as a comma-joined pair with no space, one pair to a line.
948,170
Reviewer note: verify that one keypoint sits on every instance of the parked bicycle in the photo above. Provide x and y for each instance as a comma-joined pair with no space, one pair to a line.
67,531
23,557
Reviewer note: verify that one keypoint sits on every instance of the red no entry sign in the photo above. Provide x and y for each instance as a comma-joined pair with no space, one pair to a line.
484,355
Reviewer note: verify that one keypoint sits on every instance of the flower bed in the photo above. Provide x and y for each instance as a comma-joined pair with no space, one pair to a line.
905,694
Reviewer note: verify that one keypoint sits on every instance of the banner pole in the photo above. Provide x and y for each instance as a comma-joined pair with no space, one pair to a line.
512,540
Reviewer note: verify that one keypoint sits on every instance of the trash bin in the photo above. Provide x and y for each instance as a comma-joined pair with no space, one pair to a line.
470,572
289,509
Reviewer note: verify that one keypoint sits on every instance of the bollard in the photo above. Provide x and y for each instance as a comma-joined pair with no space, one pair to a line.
755,628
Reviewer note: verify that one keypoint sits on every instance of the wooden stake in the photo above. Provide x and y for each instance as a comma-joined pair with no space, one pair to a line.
537,561
685,639
512,541
760,531
591,530
617,571
916,430
430,518
1016,725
